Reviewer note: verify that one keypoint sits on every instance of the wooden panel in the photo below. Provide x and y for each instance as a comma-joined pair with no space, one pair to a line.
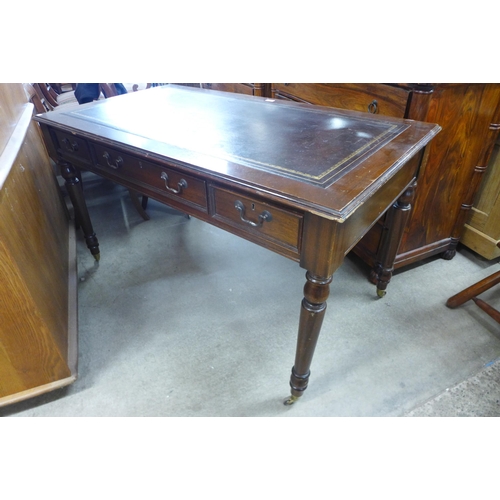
448,180
482,231
257,89
239,88
462,112
282,227
374,98
164,181
12,105
35,342
73,147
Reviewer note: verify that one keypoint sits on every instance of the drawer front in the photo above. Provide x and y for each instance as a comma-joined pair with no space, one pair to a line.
166,182
371,98
72,146
258,219
239,88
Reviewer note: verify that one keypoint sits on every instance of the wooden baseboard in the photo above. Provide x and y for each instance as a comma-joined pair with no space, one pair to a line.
407,258
36,391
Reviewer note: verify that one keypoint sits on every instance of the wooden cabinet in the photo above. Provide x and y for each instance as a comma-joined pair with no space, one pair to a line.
37,261
457,158
482,230
258,89
373,98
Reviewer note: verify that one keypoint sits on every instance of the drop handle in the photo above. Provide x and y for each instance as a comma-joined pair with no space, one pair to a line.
117,163
265,216
182,184
373,107
70,145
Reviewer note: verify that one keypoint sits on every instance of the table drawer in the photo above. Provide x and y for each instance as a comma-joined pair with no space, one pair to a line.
166,182
256,218
72,146
372,98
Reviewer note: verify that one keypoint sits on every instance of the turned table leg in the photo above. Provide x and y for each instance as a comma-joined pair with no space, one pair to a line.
316,291
395,222
82,216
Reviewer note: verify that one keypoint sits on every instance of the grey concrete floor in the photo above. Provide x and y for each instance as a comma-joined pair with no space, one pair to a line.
180,319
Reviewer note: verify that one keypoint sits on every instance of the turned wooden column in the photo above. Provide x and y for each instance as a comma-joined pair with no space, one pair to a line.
394,226
489,137
316,291
75,191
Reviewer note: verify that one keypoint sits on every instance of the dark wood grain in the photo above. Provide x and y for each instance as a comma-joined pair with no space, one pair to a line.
456,162
245,164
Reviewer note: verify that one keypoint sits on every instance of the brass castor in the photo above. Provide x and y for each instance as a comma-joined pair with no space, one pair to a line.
381,293
290,400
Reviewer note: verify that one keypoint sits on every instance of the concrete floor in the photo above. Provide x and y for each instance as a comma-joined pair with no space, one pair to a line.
181,319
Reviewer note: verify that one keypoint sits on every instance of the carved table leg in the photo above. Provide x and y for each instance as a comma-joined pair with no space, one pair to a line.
75,192
316,291
395,223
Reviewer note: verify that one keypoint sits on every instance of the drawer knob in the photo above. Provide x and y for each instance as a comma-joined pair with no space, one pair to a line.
182,184
263,217
373,107
117,164
70,146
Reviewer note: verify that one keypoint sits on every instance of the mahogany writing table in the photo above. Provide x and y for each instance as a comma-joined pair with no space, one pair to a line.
304,181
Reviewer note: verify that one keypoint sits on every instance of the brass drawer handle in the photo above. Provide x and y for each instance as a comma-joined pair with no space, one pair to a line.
373,107
117,164
70,146
182,184
263,217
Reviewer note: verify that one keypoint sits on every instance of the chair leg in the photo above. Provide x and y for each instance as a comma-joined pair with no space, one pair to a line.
134,196
474,290
487,309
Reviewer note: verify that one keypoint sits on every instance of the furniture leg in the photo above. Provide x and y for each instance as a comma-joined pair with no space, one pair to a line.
141,209
395,223
494,313
473,290
452,249
316,291
75,191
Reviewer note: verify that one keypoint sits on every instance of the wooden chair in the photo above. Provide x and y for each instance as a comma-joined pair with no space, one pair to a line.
44,98
34,98
109,89
60,88
50,98
473,291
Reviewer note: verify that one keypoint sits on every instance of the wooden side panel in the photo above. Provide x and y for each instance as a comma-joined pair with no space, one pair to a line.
34,270
482,231
464,113
12,104
29,355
